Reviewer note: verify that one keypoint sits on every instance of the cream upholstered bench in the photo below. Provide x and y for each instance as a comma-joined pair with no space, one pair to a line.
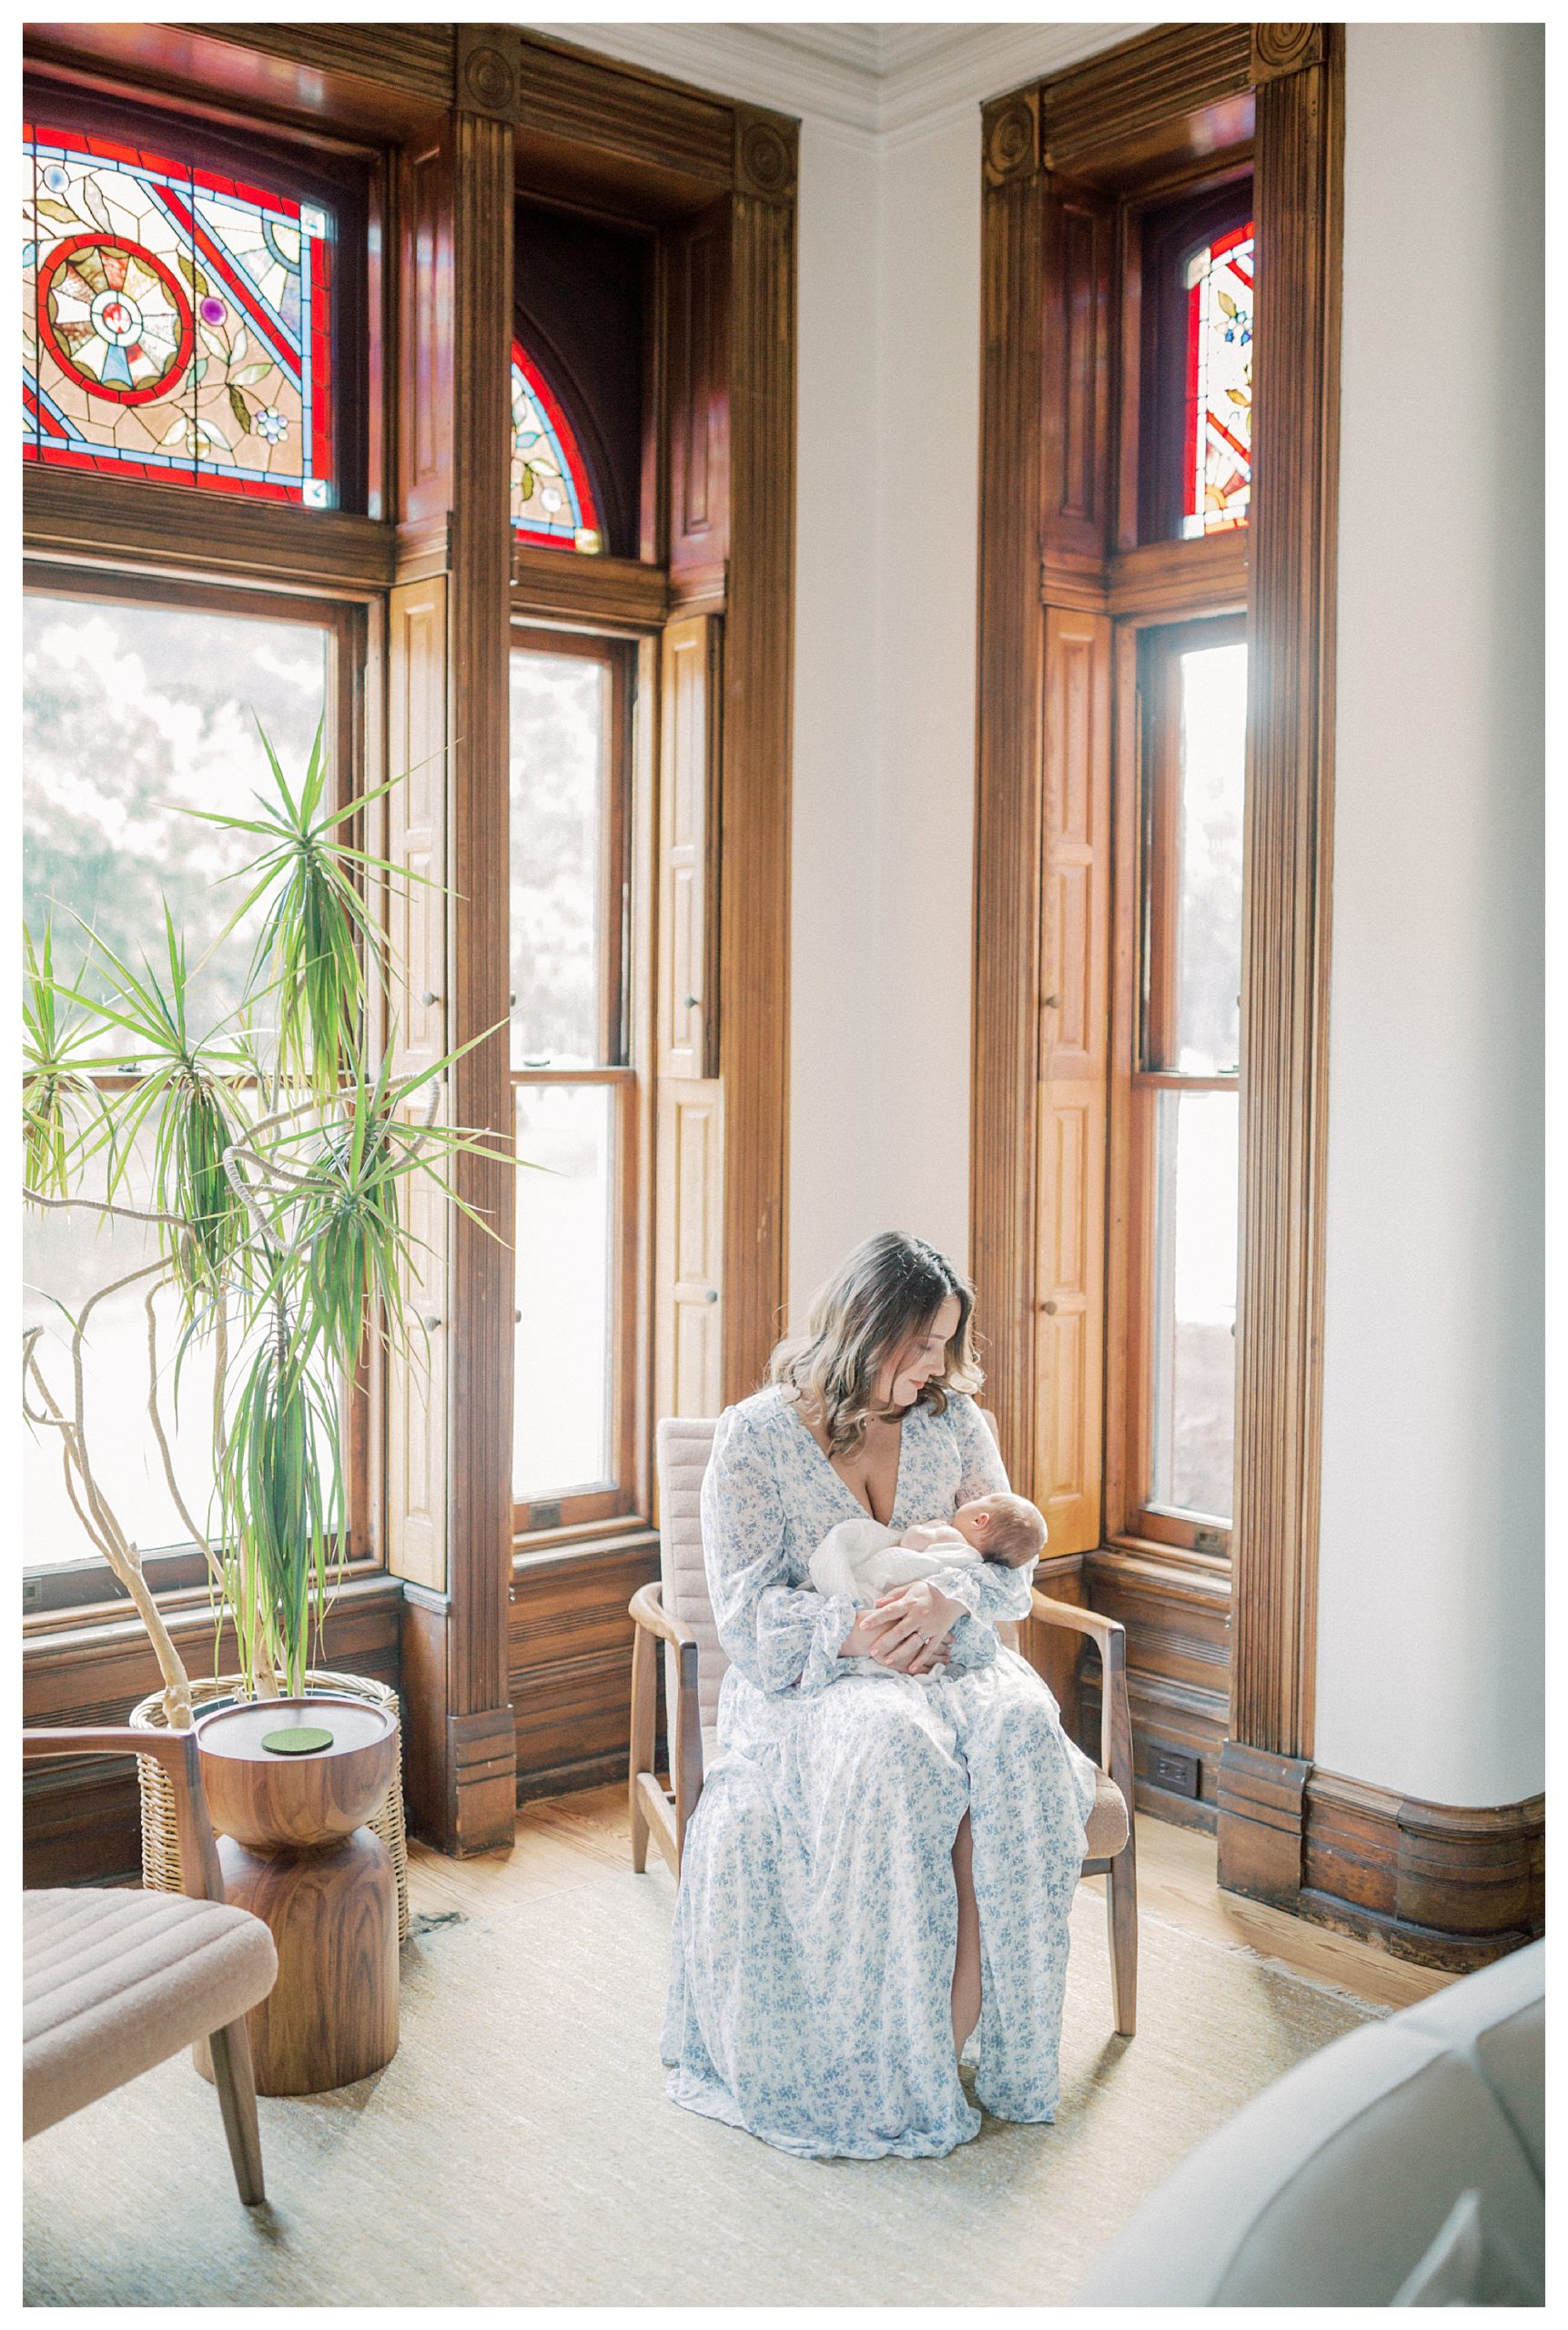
116,1980
677,1612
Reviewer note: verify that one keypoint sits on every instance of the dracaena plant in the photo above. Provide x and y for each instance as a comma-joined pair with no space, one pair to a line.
270,1149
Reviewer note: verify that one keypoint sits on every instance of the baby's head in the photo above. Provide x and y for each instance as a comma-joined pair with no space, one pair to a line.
1003,1527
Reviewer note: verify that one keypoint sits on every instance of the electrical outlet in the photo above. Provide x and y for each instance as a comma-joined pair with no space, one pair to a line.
1168,1768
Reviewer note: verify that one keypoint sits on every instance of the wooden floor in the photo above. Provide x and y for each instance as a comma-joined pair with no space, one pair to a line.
559,1838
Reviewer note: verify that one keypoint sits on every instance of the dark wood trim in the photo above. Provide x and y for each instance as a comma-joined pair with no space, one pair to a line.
569,1662
1126,114
1009,804
1285,954
1442,1885
756,744
478,1800
174,532
601,594
382,82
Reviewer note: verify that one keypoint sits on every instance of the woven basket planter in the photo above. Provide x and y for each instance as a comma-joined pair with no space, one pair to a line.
160,1835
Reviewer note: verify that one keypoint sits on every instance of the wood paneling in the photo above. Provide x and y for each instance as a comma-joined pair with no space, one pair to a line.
689,1256
1075,952
80,1821
572,95
1285,951
698,267
570,1657
689,894
1078,288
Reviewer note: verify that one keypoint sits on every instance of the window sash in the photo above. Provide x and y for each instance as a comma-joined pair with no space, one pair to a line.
88,1583
541,1520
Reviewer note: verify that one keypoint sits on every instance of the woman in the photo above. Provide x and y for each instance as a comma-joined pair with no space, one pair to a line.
888,1840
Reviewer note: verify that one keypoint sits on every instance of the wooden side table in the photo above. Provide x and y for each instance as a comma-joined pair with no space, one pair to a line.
295,1850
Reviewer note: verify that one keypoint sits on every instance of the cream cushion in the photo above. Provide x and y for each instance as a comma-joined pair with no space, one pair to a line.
1328,2188
683,1446
116,1982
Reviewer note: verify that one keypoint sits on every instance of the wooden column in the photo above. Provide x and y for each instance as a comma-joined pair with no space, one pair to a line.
454,317
1006,1045
756,743
1298,72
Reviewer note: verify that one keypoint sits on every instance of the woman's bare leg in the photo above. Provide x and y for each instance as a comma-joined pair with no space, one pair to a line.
966,1958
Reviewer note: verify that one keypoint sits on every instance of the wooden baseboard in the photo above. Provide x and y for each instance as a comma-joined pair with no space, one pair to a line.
1440,1885
1260,1807
565,1779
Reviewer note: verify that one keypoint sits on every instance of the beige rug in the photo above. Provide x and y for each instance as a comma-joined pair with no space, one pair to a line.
520,2149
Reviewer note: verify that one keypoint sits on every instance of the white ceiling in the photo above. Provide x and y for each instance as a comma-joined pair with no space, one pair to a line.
874,79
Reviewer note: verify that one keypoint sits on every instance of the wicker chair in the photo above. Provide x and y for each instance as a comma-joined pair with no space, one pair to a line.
116,1980
677,1613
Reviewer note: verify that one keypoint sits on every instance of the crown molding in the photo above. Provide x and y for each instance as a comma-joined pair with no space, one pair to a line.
871,81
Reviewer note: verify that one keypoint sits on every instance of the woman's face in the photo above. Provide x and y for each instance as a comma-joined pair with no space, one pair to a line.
905,1373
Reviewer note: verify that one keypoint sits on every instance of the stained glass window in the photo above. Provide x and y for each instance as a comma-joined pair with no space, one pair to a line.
551,495
1217,464
177,323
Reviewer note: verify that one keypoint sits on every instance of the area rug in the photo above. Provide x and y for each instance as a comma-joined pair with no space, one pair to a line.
520,2150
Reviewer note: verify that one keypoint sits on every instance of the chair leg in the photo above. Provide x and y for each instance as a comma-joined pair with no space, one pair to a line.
1121,1918
645,1714
236,2083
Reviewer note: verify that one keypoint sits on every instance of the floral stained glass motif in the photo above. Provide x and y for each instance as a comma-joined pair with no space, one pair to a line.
1218,466
551,495
177,324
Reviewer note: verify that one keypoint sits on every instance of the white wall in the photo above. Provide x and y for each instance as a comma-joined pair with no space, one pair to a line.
1430,1647
1429,1669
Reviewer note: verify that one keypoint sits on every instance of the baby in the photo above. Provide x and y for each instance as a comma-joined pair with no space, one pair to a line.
863,1558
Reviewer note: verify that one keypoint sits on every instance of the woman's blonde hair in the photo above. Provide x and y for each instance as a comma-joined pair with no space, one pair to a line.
881,1296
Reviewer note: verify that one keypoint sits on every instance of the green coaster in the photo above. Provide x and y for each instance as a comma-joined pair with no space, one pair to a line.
301,1740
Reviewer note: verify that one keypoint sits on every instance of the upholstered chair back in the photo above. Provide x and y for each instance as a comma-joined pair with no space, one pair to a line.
683,1446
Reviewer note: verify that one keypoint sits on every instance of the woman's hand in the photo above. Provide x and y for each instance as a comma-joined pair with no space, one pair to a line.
908,1630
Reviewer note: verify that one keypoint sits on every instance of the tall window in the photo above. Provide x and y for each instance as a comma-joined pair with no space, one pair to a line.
177,322
574,1087
137,708
1184,1126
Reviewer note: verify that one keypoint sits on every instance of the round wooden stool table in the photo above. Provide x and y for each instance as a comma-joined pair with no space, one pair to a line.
294,1850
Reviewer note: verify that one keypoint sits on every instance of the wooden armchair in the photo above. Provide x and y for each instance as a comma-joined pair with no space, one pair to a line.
116,1980
676,1612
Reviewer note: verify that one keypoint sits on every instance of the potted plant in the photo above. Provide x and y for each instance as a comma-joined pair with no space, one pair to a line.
266,1154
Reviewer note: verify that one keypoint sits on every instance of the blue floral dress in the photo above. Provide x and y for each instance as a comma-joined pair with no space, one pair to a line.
811,1967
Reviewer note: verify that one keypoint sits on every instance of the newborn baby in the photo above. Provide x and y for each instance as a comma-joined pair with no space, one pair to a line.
864,1558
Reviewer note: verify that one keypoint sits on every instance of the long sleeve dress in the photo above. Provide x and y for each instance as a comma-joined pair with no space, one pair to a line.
810,1995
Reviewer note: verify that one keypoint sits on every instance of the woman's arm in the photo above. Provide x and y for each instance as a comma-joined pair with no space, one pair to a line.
775,1633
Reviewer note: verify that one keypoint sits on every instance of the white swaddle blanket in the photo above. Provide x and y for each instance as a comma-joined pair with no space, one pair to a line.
864,1558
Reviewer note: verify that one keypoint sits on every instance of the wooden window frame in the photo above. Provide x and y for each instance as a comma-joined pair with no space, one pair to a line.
595,1511
178,1573
1061,562
1142,1012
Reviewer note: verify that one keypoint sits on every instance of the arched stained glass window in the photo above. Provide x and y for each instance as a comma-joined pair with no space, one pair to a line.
1218,461
177,323
552,494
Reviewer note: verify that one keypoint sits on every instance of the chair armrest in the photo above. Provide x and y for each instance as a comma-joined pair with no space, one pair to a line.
1115,1714
178,1754
647,1608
